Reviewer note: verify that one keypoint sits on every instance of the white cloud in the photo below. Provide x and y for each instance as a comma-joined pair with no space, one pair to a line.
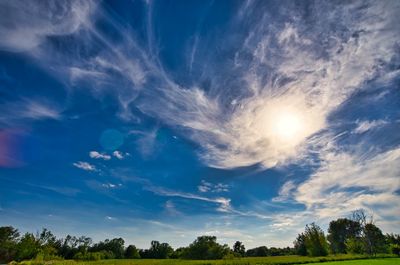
364,126
285,191
287,89
210,187
346,182
85,166
29,110
111,185
285,80
97,155
120,155
110,218
26,25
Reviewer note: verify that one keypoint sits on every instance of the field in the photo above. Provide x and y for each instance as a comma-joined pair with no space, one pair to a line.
282,260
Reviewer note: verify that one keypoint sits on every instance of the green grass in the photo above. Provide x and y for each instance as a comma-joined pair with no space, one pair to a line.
393,261
280,260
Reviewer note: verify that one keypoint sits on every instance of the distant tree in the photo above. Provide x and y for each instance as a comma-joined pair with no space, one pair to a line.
160,250
316,243
300,247
239,249
374,239
28,247
206,247
341,230
178,253
393,241
131,252
114,246
354,245
257,252
8,242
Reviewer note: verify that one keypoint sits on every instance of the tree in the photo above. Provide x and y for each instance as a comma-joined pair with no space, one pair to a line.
8,241
28,247
341,230
257,252
239,249
315,241
354,245
132,252
374,239
300,245
206,247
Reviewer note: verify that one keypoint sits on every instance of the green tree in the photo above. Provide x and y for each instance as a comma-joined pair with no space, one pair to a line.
8,242
354,245
257,252
206,247
341,230
315,241
131,252
28,247
374,240
239,249
300,247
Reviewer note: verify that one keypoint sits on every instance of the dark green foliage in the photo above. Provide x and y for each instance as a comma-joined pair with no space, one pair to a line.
374,240
354,246
8,243
239,249
341,230
360,237
206,247
312,242
315,241
257,252
115,246
28,247
300,245
132,252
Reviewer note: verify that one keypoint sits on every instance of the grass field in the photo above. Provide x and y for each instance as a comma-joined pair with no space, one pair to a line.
393,261
281,260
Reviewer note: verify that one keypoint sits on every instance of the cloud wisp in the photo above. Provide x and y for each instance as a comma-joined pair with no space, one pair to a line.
284,81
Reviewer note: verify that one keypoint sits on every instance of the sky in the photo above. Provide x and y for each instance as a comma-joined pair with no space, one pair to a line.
167,120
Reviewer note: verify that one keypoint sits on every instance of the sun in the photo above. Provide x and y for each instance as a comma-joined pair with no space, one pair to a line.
287,125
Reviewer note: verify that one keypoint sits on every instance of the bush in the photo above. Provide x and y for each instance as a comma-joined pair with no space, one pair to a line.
395,249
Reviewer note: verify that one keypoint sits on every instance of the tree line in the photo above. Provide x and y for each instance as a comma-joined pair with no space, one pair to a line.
355,235
345,235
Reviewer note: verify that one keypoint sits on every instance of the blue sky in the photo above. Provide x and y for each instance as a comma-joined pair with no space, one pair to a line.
166,120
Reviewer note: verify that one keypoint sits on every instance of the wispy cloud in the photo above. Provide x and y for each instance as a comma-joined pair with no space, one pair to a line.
29,110
111,185
27,25
97,155
120,155
282,69
346,182
84,165
210,187
285,191
364,126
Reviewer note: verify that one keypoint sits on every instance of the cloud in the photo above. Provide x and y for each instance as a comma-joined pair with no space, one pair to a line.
364,126
120,155
97,155
346,182
285,191
85,166
285,79
27,25
210,187
25,110
111,185
284,74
